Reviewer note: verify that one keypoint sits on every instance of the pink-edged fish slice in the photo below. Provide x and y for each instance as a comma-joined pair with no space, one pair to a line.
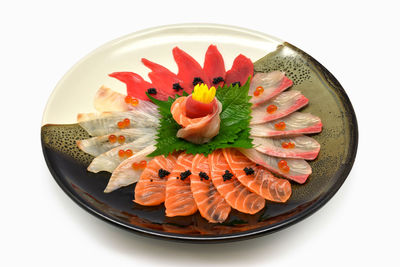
165,79
273,83
189,70
295,124
286,103
242,69
137,87
305,147
299,168
214,66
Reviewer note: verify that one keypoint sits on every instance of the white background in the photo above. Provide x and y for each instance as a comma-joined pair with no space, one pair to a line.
358,42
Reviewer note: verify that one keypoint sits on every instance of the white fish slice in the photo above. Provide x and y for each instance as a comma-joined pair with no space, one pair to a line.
107,100
106,122
286,103
100,144
296,123
124,174
273,83
110,160
305,147
299,169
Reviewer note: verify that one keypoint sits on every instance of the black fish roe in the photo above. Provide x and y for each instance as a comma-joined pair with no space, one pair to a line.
204,176
236,83
185,174
217,80
197,80
162,173
151,180
227,175
152,91
248,171
177,87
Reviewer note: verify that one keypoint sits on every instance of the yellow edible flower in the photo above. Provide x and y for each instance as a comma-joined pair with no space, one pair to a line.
203,94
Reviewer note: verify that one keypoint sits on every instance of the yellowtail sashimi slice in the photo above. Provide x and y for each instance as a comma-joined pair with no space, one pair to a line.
107,122
257,179
110,160
109,100
294,124
101,144
278,107
125,174
298,172
212,206
272,84
296,147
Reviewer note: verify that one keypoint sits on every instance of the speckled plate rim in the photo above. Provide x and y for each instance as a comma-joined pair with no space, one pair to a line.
321,201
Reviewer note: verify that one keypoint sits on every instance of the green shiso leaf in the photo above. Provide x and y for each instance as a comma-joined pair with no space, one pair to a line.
234,128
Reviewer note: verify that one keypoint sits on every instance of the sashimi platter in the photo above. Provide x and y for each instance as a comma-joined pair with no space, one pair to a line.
200,139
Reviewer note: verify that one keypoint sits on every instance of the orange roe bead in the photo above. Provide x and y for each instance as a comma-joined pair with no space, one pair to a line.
285,168
121,153
134,102
127,122
121,125
112,138
128,99
282,163
292,145
280,125
121,139
260,89
135,165
271,109
143,164
285,144
128,153
256,93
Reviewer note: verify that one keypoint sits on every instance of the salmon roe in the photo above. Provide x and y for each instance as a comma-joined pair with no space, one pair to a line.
121,153
271,109
132,101
143,164
127,122
259,90
280,125
282,164
288,145
112,138
121,124
128,99
121,139
139,165
128,153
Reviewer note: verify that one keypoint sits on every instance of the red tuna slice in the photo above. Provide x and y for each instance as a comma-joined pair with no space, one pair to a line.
137,86
304,147
295,124
214,66
272,83
165,79
299,168
242,68
261,181
286,103
189,70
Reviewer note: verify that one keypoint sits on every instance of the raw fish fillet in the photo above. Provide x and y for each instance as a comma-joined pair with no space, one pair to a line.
198,130
100,144
124,174
110,160
262,182
242,69
305,147
286,103
179,199
214,66
109,100
212,206
235,194
106,122
273,83
150,189
296,123
299,169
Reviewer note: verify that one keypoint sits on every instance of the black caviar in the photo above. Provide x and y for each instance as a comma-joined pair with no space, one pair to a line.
236,83
217,80
248,171
152,91
204,176
185,174
197,80
162,173
227,175
177,87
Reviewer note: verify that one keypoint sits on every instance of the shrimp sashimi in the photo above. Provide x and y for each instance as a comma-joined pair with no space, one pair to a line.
272,84
212,206
278,107
125,174
235,194
294,124
198,130
101,144
150,189
179,199
299,169
296,147
257,179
